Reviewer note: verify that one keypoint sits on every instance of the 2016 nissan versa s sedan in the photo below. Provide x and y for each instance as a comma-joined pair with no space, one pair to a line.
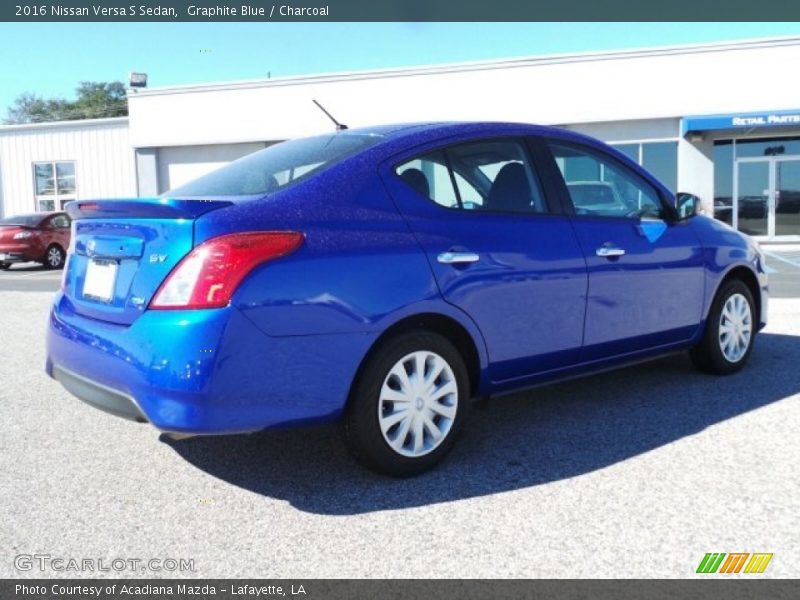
384,277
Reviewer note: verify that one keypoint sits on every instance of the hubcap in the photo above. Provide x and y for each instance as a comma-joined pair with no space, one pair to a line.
418,403
735,328
54,257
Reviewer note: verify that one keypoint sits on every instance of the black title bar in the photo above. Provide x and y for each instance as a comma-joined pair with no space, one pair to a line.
397,10
344,589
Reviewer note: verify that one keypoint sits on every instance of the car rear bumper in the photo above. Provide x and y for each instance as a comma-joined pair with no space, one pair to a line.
97,395
17,257
201,372
21,251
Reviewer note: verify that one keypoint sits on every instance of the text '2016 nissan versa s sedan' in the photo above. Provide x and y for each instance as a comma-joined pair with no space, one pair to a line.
383,277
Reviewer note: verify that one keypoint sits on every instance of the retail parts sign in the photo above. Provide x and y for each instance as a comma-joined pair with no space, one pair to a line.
699,124
766,120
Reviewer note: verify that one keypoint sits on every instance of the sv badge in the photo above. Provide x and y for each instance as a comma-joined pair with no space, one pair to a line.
158,258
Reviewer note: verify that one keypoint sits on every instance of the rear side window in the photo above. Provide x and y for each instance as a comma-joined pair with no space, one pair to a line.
275,167
599,186
490,176
60,222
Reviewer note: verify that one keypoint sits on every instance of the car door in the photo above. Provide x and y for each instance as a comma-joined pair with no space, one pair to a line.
48,231
498,248
59,229
646,274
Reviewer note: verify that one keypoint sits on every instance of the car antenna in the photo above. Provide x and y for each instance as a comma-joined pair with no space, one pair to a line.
339,126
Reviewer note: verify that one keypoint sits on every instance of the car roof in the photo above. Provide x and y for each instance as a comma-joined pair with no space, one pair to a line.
399,136
443,128
41,216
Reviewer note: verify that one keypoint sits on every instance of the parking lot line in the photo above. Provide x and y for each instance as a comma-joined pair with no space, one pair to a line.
782,259
27,275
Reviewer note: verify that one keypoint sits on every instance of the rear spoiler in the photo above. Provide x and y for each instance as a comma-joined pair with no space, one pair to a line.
152,208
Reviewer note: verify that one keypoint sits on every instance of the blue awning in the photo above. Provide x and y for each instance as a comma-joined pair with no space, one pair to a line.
741,121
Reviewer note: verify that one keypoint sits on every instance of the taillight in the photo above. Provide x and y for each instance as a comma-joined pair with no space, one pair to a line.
70,251
64,274
211,272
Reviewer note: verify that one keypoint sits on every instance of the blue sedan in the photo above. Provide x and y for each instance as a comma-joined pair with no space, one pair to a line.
384,277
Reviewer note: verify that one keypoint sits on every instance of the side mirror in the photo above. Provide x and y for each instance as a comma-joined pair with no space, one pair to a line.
688,205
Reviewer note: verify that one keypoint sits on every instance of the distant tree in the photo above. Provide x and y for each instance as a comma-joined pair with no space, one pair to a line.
99,99
30,108
95,100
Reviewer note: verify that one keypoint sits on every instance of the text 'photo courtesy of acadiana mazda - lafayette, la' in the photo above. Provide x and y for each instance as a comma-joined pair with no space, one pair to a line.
384,277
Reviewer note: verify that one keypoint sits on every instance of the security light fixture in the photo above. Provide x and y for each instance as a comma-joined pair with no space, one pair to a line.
137,80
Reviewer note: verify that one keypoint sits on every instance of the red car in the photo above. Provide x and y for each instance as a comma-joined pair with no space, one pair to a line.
39,237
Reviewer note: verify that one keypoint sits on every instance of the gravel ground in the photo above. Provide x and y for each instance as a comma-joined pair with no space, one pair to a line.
636,473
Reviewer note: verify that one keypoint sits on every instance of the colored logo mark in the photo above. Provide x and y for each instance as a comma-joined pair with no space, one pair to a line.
736,562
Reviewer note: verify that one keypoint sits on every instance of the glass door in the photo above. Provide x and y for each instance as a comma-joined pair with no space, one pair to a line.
787,197
753,194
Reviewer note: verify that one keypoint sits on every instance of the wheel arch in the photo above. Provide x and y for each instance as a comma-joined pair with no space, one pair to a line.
446,326
54,244
749,278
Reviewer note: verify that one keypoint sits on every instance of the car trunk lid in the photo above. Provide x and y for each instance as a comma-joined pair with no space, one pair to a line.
7,232
122,250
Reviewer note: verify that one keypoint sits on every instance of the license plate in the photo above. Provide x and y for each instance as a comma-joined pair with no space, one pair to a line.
101,275
2,256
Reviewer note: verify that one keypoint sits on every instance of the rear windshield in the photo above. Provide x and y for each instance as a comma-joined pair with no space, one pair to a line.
26,220
275,167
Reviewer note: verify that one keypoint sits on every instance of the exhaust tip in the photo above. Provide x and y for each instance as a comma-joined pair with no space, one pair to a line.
175,436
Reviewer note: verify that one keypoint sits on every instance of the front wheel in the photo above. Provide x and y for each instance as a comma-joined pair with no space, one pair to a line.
730,331
4,266
408,404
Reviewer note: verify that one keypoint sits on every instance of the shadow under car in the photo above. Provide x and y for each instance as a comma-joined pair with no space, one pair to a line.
526,439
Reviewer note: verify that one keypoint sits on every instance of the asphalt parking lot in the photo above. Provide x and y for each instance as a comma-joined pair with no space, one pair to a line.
635,473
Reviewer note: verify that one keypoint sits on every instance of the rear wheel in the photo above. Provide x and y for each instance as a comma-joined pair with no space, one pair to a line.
54,257
730,331
4,266
408,404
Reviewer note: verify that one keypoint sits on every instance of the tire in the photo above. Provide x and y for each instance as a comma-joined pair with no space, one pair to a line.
4,266
733,309
54,257
372,407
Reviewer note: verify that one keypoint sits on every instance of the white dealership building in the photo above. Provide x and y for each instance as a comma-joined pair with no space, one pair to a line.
718,120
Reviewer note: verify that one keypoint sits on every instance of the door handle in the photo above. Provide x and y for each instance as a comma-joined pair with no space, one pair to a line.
609,251
456,258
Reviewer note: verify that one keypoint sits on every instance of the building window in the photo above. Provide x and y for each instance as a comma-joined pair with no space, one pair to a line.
659,158
54,184
723,181
753,148
754,188
632,151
